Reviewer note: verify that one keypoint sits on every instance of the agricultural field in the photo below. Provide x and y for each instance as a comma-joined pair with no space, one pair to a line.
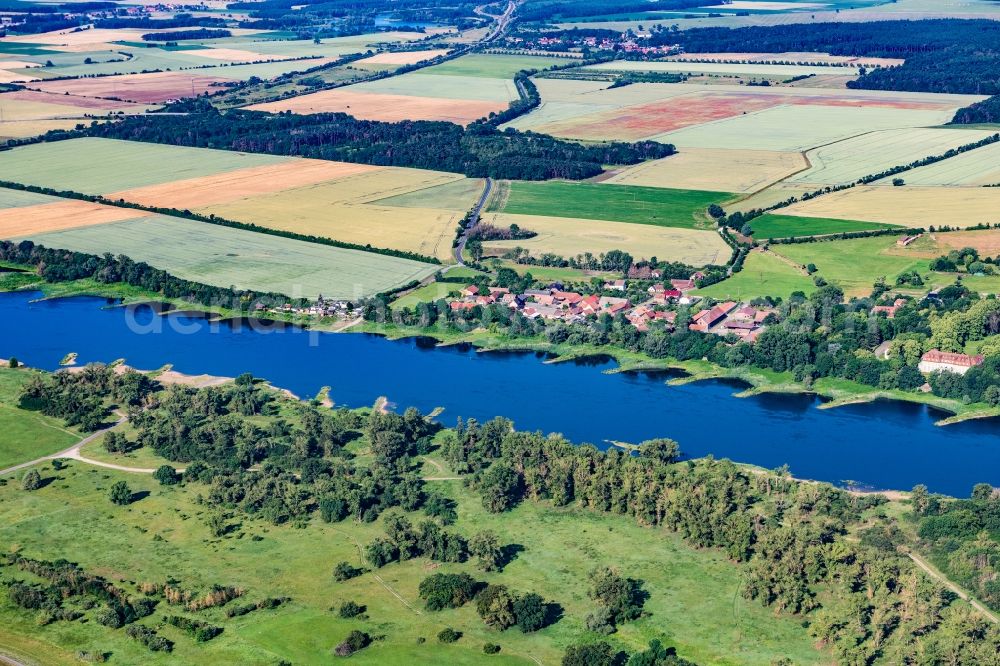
405,209
855,265
713,168
763,274
349,210
458,91
974,168
617,203
17,199
24,221
27,113
986,242
728,116
807,57
391,60
222,256
73,519
874,152
69,165
569,237
771,225
906,206
26,434
719,68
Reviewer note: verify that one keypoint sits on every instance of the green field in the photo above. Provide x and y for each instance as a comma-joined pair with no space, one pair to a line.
799,127
762,275
616,203
855,264
443,86
427,293
694,601
221,256
26,434
875,152
494,66
787,226
17,198
753,69
457,195
101,166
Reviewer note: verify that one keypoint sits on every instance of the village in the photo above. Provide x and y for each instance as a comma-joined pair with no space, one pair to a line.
744,321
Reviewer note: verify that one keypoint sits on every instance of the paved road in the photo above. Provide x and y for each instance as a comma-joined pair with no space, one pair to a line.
473,221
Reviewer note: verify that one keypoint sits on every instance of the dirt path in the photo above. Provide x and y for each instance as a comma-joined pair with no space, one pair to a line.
784,259
381,581
931,571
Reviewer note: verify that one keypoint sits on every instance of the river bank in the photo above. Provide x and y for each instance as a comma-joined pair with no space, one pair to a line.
835,391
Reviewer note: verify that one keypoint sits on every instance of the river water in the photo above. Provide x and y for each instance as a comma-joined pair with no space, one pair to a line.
884,445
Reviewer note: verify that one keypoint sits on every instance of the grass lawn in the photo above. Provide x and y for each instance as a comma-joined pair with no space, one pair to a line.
787,226
558,274
618,203
855,264
762,275
430,292
694,601
26,434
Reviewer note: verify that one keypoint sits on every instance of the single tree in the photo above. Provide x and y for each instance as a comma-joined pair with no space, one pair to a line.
120,494
32,480
485,547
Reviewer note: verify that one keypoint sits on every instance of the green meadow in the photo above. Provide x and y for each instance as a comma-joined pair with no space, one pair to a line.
762,275
26,434
617,203
792,226
494,66
694,601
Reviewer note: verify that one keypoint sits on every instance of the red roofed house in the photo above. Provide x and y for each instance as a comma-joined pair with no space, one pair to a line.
947,361
471,290
706,319
682,285
889,310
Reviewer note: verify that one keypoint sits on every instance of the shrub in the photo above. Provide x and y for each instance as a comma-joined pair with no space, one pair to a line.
449,635
344,571
32,480
491,648
350,609
356,640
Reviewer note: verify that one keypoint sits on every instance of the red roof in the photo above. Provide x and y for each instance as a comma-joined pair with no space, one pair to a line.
950,358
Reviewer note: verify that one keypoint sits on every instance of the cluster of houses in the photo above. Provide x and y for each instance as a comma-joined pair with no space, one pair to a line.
743,321
625,43
321,307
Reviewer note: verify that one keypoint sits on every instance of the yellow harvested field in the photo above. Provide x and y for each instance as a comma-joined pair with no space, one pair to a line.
401,57
17,64
910,206
987,242
341,210
20,129
231,55
385,107
59,216
714,169
569,237
229,186
92,37
13,77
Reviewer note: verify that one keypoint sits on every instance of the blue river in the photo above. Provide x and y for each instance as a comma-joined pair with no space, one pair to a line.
884,445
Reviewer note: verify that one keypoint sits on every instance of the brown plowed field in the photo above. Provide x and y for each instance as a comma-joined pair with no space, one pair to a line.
150,88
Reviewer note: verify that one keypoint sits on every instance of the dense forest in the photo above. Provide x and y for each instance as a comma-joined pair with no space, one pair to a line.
942,55
177,35
987,111
145,23
805,549
333,17
477,150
